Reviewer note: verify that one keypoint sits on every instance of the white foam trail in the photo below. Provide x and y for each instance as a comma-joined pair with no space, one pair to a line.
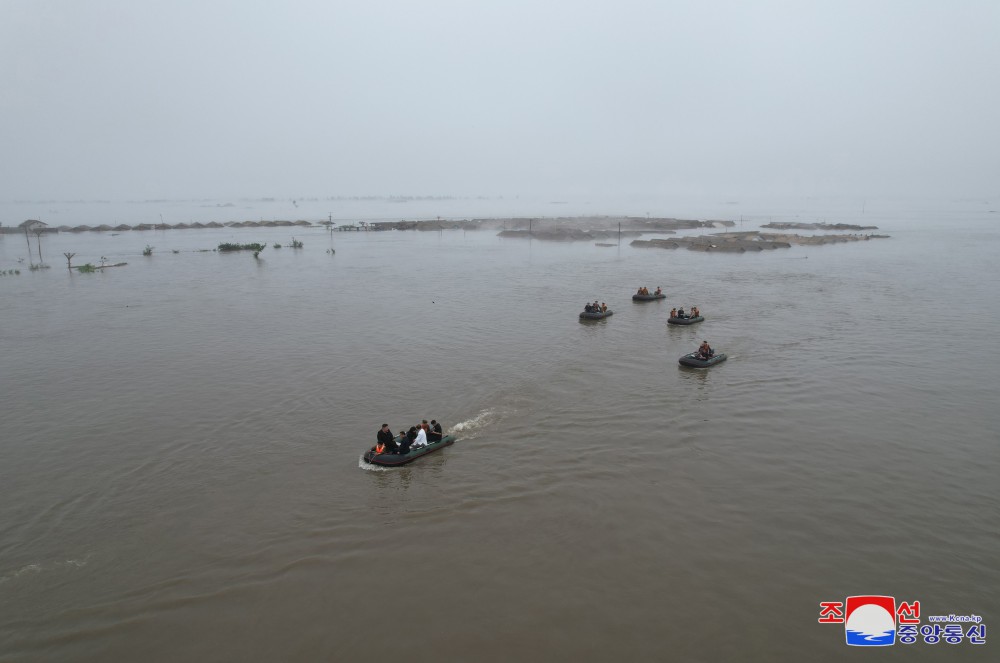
470,427
30,568
369,466
76,562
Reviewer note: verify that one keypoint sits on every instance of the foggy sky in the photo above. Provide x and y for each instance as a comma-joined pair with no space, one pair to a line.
118,99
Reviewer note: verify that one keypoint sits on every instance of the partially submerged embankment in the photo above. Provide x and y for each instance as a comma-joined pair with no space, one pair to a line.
835,227
753,240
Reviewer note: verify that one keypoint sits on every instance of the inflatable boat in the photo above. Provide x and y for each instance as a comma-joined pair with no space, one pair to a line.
686,320
402,459
695,361
647,298
596,316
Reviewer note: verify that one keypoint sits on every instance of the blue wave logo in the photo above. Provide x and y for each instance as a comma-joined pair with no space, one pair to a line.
866,639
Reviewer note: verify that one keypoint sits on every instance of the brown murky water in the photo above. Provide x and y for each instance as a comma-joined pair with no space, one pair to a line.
179,456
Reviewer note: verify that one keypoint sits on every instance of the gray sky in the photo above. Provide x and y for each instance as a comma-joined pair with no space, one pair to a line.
153,99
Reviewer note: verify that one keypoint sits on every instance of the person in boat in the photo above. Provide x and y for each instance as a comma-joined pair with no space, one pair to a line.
639,291
434,434
680,313
404,442
604,307
695,312
658,291
673,313
385,440
588,308
705,351
420,439
596,307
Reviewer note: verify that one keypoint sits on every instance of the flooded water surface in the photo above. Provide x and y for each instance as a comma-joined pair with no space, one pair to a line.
181,441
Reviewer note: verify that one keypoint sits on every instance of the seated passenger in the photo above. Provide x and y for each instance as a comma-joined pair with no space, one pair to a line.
604,307
673,313
434,434
588,308
404,442
705,351
639,291
695,312
421,438
680,313
658,291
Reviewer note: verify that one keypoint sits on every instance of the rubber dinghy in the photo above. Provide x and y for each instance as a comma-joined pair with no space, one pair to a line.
647,298
695,361
685,320
596,316
402,459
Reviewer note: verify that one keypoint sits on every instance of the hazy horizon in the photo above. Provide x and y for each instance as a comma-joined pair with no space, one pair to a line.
111,100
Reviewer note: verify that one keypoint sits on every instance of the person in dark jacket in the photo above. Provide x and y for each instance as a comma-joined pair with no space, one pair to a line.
434,434
404,442
385,438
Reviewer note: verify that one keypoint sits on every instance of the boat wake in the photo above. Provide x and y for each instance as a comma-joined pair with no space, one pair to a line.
469,429
370,467
36,568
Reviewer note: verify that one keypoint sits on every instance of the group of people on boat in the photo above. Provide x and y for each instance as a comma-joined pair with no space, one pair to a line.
645,291
679,312
418,436
595,307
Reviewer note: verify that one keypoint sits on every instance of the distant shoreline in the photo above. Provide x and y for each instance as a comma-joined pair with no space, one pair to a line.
542,224
564,229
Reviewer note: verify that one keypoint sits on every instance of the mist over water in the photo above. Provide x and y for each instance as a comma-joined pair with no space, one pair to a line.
180,441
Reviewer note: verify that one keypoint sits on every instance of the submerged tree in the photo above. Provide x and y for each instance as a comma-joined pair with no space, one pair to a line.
69,260
33,225
38,244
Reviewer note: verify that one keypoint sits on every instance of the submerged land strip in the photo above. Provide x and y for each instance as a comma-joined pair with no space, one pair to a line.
560,229
754,240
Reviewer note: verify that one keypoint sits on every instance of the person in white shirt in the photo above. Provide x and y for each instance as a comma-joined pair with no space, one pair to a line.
421,440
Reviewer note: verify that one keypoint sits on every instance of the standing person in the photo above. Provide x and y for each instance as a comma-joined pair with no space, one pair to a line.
435,433
384,437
